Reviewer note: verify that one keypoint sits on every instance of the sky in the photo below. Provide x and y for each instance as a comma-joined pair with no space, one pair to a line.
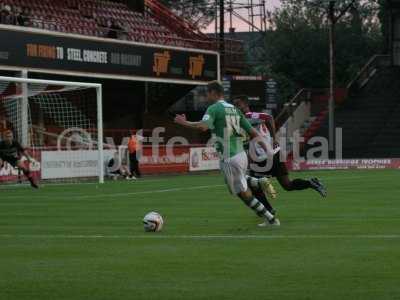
240,25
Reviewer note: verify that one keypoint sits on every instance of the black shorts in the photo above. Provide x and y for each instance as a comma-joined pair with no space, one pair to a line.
278,168
13,161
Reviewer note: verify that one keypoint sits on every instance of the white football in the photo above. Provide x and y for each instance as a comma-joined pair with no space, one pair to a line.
153,222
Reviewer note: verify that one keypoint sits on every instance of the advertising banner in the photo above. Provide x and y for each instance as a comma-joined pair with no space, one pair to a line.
204,159
71,164
346,164
159,161
33,49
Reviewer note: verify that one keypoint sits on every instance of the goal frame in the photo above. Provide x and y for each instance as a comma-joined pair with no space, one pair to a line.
99,104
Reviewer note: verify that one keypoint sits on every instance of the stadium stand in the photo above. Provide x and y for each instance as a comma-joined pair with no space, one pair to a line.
93,18
370,117
107,19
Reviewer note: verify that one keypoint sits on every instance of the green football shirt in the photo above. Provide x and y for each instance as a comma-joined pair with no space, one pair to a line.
228,126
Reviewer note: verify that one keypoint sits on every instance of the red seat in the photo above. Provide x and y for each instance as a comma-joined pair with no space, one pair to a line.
87,17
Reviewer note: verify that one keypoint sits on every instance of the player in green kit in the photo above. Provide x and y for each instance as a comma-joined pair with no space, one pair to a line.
228,126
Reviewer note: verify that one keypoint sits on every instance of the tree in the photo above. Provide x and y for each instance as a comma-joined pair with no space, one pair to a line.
383,18
298,45
200,12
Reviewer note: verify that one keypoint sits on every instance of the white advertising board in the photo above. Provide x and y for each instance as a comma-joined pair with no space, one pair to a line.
71,164
203,159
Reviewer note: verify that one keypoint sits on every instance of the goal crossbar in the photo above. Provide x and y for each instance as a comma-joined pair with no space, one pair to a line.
51,82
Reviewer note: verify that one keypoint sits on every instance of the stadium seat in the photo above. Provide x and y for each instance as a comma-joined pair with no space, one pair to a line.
90,17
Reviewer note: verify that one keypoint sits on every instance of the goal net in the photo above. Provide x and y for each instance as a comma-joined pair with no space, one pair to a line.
59,123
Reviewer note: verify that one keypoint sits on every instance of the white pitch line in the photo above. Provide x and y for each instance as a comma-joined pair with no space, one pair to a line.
117,195
198,237
200,187
11,187
33,195
26,185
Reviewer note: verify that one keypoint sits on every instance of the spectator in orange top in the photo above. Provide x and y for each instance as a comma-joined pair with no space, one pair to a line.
133,147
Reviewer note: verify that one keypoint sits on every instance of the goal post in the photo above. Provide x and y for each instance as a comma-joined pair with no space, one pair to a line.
60,122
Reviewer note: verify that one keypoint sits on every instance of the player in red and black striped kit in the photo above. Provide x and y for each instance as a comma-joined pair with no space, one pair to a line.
11,151
266,126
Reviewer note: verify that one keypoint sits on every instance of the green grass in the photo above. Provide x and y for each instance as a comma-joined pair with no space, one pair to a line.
87,241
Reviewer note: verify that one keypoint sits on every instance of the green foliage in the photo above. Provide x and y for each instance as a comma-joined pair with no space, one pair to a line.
199,12
298,47
383,18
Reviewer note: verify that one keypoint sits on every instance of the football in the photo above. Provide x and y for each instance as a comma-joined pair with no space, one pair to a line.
153,222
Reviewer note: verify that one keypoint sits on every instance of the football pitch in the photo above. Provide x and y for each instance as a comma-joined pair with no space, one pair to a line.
86,241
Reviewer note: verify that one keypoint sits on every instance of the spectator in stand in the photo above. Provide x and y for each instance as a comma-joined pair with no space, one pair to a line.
6,16
3,14
123,34
114,31
133,148
23,18
102,24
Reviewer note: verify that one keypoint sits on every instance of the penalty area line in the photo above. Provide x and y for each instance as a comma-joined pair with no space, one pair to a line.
196,237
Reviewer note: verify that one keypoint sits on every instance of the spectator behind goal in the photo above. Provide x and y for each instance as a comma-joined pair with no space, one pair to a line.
133,148
116,168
